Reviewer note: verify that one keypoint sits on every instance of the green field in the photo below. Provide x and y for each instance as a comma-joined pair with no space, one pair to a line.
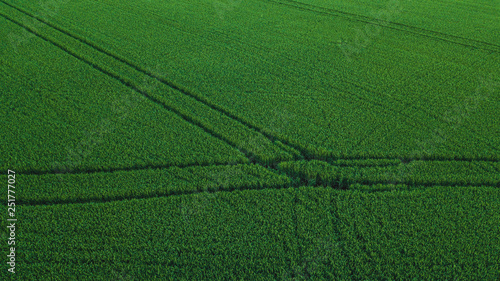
250,140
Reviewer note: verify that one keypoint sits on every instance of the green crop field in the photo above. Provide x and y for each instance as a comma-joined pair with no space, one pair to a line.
250,140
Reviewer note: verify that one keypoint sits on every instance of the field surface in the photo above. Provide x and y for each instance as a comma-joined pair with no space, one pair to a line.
251,140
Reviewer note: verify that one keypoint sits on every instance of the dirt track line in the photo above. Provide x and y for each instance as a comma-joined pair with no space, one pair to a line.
374,21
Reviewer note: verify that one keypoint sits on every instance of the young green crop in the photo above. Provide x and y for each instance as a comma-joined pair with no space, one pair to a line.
108,186
143,81
405,94
427,17
158,140
307,232
414,173
203,236
59,114
440,233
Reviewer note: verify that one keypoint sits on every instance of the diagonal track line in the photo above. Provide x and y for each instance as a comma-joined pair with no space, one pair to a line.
396,26
196,97
130,85
357,85
170,84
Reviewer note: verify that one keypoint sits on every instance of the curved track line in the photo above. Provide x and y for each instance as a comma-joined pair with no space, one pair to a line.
331,162
180,193
165,194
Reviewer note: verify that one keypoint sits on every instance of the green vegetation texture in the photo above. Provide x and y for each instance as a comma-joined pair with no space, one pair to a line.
307,233
250,140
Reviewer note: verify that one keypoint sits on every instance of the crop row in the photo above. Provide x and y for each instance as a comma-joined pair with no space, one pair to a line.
382,187
414,173
107,186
